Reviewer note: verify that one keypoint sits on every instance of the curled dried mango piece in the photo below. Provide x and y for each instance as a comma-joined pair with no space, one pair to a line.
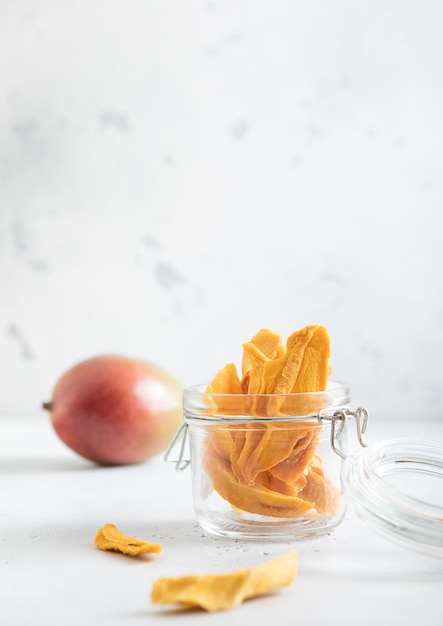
253,364
228,391
256,455
322,492
269,342
219,592
265,346
304,368
257,498
292,467
314,369
253,357
266,479
226,381
274,445
280,374
110,538
223,439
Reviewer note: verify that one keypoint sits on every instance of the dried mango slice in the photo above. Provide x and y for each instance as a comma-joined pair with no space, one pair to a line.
252,368
254,381
263,347
239,441
269,342
266,479
276,444
220,592
303,369
226,381
110,538
322,492
245,383
222,439
280,374
316,465
314,370
253,358
253,498
290,469
257,443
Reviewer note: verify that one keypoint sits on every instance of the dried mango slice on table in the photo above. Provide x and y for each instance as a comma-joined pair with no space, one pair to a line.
109,537
272,468
220,592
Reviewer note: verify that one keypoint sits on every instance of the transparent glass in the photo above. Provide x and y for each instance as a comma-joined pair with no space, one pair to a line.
262,465
396,488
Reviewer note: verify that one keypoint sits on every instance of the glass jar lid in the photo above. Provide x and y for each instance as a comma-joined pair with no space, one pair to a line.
396,487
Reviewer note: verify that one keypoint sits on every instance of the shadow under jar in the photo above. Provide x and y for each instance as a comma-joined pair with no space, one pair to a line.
268,466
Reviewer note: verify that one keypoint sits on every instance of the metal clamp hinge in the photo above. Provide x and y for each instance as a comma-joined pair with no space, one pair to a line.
179,442
338,419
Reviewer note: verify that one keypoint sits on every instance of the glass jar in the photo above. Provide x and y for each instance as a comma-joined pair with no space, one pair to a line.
267,466
282,467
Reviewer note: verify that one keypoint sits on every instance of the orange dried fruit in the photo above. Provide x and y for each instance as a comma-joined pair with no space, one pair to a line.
221,438
304,368
253,498
276,443
264,467
220,592
253,357
110,538
256,455
266,479
316,465
314,370
291,468
227,395
226,381
322,492
263,347
281,374
269,342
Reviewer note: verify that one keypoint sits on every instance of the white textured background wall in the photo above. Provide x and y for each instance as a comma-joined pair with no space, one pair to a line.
175,175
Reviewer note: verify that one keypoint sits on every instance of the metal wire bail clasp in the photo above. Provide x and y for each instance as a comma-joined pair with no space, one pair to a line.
338,419
179,442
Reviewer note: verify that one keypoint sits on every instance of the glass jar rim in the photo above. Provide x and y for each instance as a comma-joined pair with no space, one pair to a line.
334,387
198,403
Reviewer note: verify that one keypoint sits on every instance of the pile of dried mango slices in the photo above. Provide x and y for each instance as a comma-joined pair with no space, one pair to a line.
271,467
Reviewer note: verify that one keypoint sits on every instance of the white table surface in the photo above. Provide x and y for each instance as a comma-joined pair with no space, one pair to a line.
53,502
